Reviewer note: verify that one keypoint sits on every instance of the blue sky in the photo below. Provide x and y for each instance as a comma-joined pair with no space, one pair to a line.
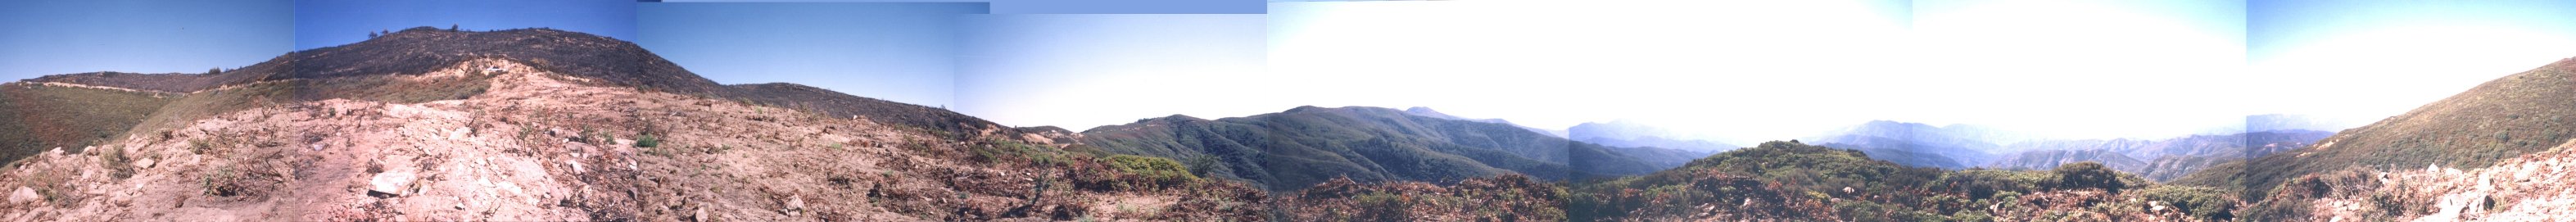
324,23
71,36
1079,71
902,52
1084,6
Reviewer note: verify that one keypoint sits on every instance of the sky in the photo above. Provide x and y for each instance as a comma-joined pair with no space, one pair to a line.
2364,61
1082,6
1079,71
1753,71
47,37
325,23
902,52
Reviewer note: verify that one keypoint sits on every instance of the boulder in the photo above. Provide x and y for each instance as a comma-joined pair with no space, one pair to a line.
389,183
25,195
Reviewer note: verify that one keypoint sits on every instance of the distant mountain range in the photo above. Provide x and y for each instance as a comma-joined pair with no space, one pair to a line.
1633,134
1307,145
2160,160
1915,144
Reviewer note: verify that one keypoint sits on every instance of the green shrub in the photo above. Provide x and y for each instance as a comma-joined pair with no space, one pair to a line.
2088,174
648,140
1160,171
2202,202
223,182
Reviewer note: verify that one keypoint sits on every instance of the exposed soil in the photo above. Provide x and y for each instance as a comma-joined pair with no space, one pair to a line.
540,147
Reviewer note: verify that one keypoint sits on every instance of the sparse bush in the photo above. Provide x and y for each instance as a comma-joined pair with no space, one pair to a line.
199,146
648,140
223,182
2088,174
2202,202
114,160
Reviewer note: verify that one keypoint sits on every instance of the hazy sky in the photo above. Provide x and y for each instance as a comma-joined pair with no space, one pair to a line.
902,52
2364,61
1768,70
45,37
325,23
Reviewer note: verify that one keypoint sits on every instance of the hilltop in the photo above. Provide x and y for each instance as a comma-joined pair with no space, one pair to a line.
382,69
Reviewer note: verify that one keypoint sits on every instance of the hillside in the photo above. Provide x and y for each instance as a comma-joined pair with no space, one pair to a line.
1500,198
39,116
2518,114
1301,147
545,146
366,70
2522,188
1791,181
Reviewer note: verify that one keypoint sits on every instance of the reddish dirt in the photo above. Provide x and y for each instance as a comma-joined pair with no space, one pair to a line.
532,149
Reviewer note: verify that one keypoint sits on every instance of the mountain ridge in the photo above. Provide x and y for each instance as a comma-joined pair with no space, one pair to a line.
1306,145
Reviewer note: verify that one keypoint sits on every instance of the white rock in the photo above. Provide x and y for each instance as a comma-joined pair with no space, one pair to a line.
145,163
391,182
25,195
796,202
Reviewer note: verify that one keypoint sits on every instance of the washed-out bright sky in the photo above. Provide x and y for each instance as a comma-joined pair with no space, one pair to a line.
2364,61
1784,69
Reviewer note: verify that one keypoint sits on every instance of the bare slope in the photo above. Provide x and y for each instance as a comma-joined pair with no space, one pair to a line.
2508,117
542,146
2530,187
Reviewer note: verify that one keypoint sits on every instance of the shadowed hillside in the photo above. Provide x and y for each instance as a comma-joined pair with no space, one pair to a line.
37,116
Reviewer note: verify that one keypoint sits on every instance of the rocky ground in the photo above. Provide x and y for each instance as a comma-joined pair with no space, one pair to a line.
2527,188
538,146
